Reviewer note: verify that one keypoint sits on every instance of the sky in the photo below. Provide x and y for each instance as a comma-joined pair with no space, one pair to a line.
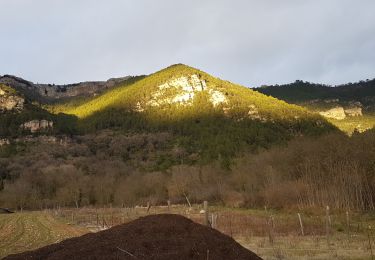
250,42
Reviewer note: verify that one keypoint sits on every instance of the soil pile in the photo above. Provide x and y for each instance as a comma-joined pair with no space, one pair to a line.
163,236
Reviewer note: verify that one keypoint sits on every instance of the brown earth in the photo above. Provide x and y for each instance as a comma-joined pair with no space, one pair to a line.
163,236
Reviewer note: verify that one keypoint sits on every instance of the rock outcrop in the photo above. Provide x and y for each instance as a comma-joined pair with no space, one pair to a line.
337,113
353,111
37,125
9,100
183,90
4,141
253,112
340,113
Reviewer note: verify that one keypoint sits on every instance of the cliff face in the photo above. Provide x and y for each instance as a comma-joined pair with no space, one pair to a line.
49,92
9,100
37,125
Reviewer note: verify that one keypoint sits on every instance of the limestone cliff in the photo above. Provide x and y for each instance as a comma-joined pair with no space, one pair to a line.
37,125
10,100
45,92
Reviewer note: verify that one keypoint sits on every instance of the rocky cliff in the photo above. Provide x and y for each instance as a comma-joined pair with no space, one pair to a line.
10,100
37,125
50,92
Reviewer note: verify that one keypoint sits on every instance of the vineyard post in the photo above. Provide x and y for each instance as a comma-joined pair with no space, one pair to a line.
205,208
327,224
301,224
348,225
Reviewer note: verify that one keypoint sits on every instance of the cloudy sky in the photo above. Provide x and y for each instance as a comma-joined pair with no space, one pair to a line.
251,42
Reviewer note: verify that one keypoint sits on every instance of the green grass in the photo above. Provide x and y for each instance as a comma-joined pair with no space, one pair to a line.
21,232
358,123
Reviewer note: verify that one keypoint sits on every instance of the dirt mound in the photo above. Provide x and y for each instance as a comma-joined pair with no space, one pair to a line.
164,236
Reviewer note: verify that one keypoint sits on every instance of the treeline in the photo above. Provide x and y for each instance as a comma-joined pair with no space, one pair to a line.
333,170
301,91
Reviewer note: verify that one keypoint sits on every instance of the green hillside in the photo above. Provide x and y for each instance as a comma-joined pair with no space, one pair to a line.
321,98
208,116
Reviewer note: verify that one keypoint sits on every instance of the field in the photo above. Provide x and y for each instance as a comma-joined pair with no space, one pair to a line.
30,230
270,234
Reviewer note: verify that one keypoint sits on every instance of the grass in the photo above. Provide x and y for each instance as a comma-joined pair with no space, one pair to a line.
21,232
359,123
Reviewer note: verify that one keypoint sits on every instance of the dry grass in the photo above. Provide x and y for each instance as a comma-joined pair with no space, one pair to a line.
20,232
272,235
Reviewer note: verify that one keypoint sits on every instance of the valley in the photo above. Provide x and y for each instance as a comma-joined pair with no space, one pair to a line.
183,135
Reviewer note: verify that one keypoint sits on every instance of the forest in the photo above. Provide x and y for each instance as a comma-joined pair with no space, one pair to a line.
333,169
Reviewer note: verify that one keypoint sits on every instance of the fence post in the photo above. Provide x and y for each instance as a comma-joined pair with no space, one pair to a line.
213,220
205,208
370,242
348,225
169,206
328,220
301,224
270,223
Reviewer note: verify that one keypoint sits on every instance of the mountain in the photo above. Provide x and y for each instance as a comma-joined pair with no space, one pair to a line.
206,115
350,107
50,92
178,134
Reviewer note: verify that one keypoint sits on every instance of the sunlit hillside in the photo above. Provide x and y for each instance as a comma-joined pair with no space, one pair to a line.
207,115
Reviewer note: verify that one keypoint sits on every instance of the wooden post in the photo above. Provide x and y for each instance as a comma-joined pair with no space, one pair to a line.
348,225
270,230
370,242
187,200
301,224
327,224
205,208
213,220
169,206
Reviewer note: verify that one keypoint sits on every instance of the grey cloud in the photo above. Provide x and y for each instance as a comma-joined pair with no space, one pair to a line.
251,42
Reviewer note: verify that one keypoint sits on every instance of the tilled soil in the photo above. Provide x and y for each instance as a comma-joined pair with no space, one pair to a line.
163,236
